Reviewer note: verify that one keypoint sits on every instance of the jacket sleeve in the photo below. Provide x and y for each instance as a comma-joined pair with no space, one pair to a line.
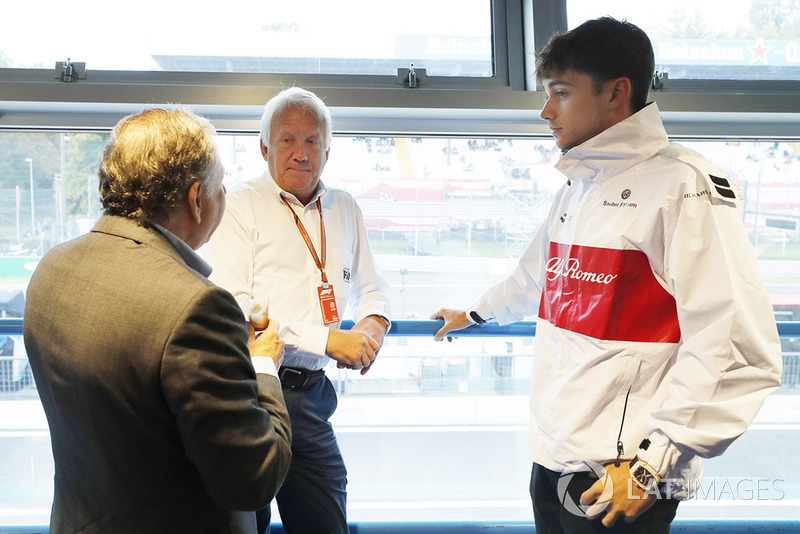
729,359
518,295
233,425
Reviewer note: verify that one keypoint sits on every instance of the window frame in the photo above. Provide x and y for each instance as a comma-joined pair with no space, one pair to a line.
507,104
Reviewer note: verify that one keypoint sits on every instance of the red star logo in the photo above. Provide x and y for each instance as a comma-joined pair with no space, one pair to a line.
759,52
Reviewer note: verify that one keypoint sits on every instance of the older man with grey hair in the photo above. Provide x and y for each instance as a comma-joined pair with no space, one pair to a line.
290,243
163,415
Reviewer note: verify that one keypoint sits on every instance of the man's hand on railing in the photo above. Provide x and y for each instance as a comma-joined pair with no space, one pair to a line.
453,320
376,329
351,349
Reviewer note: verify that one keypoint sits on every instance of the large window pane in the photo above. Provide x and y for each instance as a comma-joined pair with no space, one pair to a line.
446,217
713,39
448,37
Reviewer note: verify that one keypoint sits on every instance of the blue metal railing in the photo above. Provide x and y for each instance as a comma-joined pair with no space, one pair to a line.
726,526
786,329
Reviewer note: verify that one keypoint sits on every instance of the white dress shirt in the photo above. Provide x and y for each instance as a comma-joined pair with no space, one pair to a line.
259,255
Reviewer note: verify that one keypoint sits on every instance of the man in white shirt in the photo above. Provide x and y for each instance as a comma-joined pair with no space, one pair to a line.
288,242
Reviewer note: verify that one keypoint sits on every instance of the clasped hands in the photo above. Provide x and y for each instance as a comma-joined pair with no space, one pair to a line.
358,347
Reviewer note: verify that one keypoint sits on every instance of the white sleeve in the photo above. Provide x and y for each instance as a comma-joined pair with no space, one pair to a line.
518,295
729,359
230,252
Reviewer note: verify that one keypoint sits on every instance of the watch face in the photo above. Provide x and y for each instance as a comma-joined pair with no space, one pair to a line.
644,478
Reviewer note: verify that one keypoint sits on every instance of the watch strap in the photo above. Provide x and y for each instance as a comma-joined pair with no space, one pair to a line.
477,318
386,323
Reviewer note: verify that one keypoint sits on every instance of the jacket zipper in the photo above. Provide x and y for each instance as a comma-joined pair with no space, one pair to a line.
620,446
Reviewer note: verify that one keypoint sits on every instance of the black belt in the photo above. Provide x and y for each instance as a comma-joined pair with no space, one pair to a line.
297,378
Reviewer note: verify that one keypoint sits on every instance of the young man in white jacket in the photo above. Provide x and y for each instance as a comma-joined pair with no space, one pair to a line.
656,343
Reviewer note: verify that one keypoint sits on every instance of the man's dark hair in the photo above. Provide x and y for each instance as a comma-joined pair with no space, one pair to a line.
606,49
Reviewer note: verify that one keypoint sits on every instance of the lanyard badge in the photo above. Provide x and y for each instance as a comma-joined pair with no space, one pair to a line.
327,303
327,300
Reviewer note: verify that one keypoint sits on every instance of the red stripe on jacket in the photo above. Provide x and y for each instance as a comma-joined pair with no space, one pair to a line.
607,294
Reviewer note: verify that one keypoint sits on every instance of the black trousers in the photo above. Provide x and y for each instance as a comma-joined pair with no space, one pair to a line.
560,514
313,498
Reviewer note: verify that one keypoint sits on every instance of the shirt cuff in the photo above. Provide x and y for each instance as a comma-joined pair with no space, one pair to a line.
314,340
264,365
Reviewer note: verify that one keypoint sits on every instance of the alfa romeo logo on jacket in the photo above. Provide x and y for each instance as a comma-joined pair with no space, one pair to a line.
626,194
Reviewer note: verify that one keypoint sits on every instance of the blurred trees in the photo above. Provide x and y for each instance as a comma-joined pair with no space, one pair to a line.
75,155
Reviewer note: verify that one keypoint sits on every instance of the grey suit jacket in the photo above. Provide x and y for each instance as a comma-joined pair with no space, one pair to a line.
157,419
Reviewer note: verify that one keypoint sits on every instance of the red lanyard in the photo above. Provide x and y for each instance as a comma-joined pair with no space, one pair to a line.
320,263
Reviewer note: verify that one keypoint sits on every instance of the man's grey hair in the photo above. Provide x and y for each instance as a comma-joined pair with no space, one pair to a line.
296,97
152,160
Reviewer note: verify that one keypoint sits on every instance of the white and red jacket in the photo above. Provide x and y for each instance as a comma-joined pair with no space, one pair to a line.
653,320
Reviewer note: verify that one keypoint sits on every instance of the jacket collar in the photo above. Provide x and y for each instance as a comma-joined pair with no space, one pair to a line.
618,148
154,236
